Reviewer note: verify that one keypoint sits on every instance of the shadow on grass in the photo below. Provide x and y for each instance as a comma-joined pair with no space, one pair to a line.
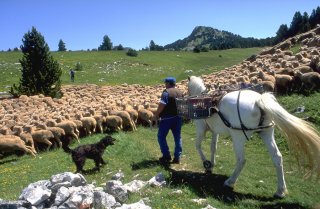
145,164
7,161
211,185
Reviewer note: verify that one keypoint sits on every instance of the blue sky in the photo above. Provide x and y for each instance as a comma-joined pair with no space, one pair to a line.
81,24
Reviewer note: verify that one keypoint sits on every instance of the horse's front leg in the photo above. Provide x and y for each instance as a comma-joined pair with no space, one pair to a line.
213,147
201,130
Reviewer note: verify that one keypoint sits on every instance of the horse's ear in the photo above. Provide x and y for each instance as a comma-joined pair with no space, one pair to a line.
188,78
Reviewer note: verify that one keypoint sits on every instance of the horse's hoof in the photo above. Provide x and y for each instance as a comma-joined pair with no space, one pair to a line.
280,195
228,186
207,165
208,171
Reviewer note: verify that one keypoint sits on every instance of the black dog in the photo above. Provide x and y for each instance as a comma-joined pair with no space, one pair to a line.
92,151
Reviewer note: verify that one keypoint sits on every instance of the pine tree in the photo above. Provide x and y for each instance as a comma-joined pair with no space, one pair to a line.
62,46
282,33
106,44
40,72
305,23
314,17
296,24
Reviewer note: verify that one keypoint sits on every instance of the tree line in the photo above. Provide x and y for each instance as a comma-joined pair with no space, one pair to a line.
300,23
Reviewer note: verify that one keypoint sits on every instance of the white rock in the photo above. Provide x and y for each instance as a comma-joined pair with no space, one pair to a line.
158,180
62,195
137,205
103,200
135,185
118,190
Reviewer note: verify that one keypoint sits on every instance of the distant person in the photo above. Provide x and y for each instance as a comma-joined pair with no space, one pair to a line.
169,120
72,75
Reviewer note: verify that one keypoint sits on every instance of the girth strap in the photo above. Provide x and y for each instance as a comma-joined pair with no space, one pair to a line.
243,127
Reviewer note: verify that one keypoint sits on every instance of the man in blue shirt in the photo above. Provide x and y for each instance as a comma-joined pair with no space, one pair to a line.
169,120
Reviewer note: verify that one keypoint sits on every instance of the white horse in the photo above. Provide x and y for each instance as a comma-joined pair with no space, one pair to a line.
257,112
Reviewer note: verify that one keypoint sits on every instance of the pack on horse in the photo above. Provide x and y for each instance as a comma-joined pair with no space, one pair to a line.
243,112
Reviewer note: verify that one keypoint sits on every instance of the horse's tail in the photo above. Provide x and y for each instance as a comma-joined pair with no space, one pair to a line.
303,139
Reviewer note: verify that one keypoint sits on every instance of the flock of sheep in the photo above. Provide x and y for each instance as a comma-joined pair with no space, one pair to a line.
28,124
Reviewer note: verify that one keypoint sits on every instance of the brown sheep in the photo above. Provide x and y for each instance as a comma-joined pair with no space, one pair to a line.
144,115
112,123
266,77
283,84
126,119
88,124
69,127
57,132
9,143
268,86
26,137
133,113
309,80
40,136
100,119
154,120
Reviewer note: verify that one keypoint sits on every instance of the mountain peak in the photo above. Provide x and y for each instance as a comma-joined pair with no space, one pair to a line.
211,38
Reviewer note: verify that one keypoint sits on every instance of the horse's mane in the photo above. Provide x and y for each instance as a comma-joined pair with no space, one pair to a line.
196,85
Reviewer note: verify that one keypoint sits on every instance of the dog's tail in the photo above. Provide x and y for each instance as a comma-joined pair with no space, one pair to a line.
66,148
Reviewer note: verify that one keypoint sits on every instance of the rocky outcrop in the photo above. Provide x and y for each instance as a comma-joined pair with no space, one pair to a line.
69,190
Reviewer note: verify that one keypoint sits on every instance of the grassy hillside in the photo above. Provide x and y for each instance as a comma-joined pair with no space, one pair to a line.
115,67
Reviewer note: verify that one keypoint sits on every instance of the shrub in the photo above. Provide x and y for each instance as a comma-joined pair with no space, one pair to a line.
78,67
132,53
196,49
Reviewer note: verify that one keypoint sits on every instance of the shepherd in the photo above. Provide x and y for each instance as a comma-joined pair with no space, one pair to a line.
72,75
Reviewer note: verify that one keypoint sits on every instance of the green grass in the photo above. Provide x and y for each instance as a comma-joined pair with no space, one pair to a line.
115,67
136,154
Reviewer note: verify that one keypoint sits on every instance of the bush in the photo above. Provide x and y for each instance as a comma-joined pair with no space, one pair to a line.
78,67
132,53
204,49
196,50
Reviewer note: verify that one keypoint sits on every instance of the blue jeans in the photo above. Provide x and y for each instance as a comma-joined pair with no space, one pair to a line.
174,124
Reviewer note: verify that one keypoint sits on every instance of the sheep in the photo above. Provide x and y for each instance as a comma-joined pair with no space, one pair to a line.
57,132
144,115
126,119
40,136
9,143
79,126
69,127
266,77
283,83
310,80
133,113
154,120
26,137
100,119
268,86
113,122
88,123
303,69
